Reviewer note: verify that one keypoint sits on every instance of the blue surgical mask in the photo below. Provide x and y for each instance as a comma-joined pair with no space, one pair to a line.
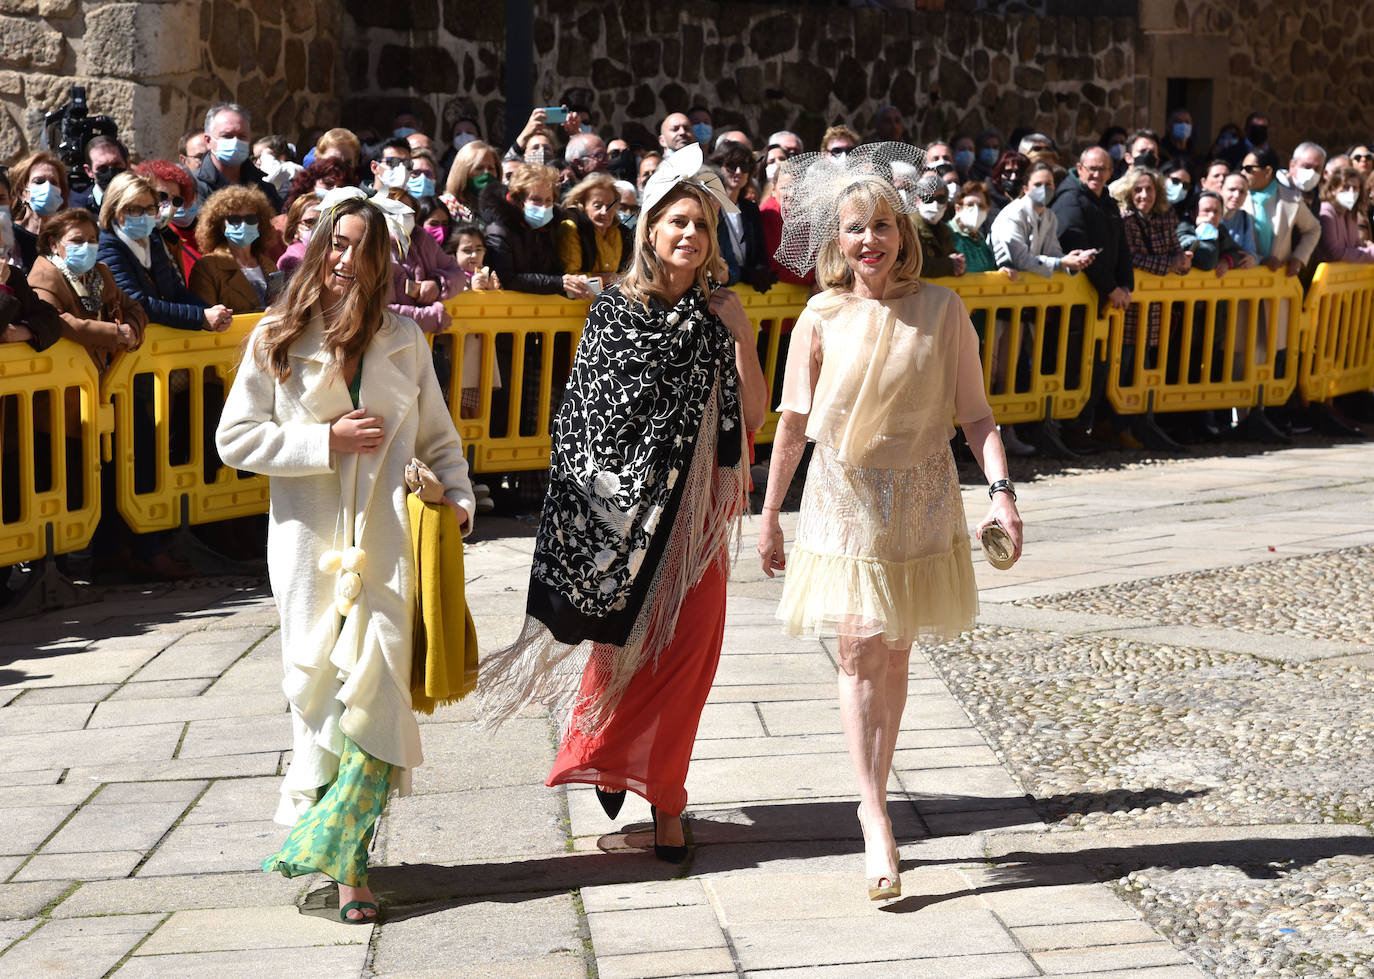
963,159
1117,151
45,198
702,132
989,155
420,185
240,235
401,132
1175,191
629,218
138,228
1182,130
1206,232
231,151
538,215
185,216
79,259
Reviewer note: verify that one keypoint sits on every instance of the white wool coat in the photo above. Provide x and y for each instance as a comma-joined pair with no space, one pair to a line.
353,678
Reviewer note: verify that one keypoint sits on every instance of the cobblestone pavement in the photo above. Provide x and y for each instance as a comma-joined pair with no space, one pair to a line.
1133,767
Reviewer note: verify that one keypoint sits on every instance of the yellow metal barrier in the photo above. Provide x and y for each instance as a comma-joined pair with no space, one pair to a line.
1338,339
1057,318
508,430
1219,342
167,397
773,314
51,418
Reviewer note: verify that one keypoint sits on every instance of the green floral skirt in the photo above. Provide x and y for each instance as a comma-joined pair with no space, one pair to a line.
332,837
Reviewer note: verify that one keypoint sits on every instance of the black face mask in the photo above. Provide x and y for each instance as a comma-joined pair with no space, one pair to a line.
1257,135
1010,184
103,176
1146,159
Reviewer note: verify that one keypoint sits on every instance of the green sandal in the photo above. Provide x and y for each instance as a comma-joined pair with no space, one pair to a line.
359,906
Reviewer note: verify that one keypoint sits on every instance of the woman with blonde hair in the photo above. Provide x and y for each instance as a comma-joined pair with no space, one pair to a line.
342,145
626,607
39,189
475,167
334,396
881,367
234,268
591,239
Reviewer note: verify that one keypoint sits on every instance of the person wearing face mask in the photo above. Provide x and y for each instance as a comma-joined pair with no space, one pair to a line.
40,191
1142,150
1178,191
987,149
1208,239
391,169
423,175
465,130
227,162
699,118
95,311
740,234
520,234
1304,173
1255,136
176,213
141,267
24,317
1113,140
766,170
967,226
930,195
1341,199
234,269
591,239
964,156
106,158
476,167
273,156
1006,181
1177,151
423,275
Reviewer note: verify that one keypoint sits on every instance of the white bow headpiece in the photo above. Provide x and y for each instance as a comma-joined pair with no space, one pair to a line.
400,219
684,166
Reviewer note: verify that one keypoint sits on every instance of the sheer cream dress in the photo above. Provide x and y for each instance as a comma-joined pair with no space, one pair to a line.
882,546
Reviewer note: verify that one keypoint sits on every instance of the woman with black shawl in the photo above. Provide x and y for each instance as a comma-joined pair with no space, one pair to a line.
626,608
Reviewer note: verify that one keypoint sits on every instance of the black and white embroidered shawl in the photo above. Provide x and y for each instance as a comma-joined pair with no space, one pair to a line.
649,421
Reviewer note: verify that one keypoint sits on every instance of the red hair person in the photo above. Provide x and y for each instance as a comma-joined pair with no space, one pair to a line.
176,215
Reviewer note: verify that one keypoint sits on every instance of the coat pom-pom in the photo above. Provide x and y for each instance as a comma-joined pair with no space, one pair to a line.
350,585
343,606
330,561
354,560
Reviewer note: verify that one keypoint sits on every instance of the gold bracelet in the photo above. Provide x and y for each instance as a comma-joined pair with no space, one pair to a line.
773,508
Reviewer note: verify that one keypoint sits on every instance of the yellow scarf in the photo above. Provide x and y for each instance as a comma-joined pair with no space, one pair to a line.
444,656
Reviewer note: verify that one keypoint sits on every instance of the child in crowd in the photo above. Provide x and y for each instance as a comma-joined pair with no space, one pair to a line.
1209,240
434,217
470,249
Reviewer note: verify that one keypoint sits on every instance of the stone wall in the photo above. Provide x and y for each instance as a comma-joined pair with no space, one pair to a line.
156,65
759,66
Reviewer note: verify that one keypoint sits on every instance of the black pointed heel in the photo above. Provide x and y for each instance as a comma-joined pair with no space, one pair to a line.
610,801
668,854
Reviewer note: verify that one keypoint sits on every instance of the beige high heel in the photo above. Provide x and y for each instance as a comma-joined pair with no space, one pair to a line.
877,890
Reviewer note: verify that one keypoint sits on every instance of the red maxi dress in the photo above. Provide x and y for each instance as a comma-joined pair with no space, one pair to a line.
647,744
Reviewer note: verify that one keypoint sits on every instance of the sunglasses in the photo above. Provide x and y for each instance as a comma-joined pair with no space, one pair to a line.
176,200
395,161
736,167
241,219
1358,157
1253,168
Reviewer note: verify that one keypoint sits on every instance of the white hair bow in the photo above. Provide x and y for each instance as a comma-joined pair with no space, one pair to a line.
684,166
400,219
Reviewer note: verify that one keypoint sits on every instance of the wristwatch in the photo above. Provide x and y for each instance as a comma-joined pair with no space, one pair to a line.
1002,486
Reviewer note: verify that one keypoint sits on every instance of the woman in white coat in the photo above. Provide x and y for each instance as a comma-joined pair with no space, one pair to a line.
334,396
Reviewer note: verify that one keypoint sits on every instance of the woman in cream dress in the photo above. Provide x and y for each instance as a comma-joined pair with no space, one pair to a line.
881,367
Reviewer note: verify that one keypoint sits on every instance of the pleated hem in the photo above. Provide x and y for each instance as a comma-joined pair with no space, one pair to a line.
935,596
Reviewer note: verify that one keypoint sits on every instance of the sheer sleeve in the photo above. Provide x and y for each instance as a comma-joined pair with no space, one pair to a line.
970,394
799,381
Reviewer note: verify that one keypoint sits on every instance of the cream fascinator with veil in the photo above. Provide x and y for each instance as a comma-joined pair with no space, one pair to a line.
812,188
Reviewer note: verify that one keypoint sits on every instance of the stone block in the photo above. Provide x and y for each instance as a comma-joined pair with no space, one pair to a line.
236,800
237,929
1113,959
29,827
38,718
26,43
697,962
141,40
163,894
1087,934
220,766
455,827
650,930
236,736
210,847
126,712
646,894
186,660
318,962
80,866
78,949
515,938
119,826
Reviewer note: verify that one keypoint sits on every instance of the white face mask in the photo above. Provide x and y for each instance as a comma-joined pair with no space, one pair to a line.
771,171
1305,179
930,210
394,177
1348,199
972,217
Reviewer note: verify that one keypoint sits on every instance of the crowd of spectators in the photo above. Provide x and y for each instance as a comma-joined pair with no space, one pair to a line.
213,226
